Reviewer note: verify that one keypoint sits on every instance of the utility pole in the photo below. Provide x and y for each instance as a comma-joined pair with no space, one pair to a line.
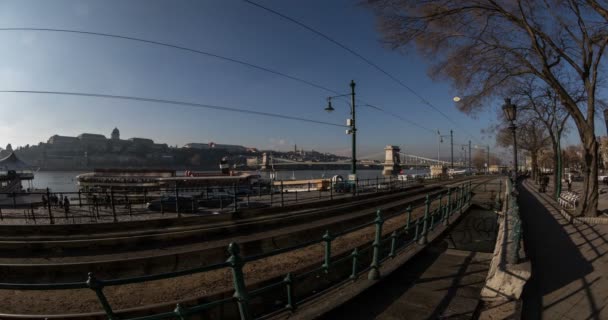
488,159
469,155
452,149
353,129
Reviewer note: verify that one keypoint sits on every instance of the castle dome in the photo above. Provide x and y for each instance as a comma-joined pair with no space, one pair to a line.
115,134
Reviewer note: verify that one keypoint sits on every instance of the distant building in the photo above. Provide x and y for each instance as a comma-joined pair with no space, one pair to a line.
213,145
200,146
142,141
115,134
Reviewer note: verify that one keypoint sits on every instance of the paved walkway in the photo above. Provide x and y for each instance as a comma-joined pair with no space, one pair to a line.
569,262
440,282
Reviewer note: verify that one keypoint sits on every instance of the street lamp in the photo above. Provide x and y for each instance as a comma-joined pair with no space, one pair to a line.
510,111
440,141
351,124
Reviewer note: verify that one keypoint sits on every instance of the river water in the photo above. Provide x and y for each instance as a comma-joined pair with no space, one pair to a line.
65,181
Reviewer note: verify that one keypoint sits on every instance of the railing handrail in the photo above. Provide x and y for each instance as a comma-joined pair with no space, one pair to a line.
236,262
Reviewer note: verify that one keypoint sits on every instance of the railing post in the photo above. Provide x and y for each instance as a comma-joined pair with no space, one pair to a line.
356,185
296,196
377,184
448,213
393,244
79,199
499,188
374,273
113,206
162,208
235,197
409,219
179,215
282,200
390,183
423,237
240,290
48,201
416,233
461,198
327,257
355,255
271,191
432,224
470,193
97,286
331,189
179,312
291,303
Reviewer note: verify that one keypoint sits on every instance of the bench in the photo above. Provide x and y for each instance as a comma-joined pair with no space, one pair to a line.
568,199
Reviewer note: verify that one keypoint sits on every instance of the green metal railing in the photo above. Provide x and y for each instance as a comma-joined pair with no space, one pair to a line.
514,226
118,205
347,266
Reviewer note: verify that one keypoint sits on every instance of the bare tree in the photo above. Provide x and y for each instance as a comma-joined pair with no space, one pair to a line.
484,46
530,137
542,105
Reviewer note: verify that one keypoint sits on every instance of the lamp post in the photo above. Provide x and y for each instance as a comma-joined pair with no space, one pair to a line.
351,124
440,141
510,111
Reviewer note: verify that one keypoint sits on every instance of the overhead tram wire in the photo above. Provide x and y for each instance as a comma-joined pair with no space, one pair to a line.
210,54
173,102
358,55
173,46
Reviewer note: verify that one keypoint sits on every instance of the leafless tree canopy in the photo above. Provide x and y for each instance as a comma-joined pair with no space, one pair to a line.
485,47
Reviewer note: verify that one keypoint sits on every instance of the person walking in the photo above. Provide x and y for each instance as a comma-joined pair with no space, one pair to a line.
66,204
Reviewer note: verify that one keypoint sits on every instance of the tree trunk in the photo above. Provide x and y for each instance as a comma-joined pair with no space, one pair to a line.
557,169
589,198
534,158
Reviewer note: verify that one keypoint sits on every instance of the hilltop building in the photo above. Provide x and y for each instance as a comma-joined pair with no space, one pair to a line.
212,145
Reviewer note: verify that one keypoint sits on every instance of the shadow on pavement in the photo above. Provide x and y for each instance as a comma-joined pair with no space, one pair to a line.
556,260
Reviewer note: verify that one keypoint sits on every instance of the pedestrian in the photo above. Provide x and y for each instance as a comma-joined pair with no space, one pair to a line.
569,184
107,202
44,201
66,204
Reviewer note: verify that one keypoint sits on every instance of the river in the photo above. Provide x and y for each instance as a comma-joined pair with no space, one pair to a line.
65,181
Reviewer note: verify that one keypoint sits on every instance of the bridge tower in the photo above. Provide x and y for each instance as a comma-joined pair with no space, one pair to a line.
392,161
265,161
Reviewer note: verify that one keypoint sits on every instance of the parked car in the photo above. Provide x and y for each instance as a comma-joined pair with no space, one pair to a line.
169,204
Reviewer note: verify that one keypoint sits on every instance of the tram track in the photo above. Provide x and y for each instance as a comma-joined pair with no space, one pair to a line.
162,296
112,256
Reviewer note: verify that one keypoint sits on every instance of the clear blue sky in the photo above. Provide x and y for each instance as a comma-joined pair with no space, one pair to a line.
68,62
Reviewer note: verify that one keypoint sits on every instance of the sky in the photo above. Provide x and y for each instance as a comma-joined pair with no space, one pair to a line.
35,60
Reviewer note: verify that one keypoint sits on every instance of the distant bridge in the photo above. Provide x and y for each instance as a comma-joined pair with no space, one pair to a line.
407,160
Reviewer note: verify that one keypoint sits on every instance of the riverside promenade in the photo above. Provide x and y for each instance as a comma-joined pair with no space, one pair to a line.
443,281
569,262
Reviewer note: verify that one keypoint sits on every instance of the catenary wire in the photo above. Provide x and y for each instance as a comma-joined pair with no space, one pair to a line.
173,102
